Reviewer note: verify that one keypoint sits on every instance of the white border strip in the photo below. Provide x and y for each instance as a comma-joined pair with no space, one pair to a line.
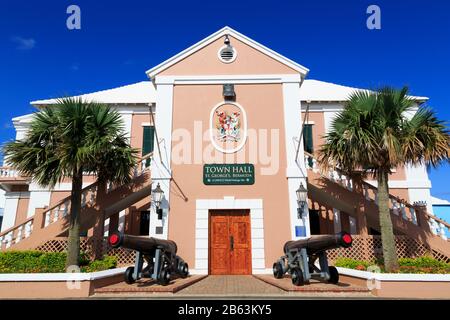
53,277
412,277
222,79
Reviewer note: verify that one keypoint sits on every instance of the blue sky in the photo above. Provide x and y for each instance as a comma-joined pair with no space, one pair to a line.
119,40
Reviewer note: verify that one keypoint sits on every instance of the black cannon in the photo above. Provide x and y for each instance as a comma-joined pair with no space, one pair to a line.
160,256
301,255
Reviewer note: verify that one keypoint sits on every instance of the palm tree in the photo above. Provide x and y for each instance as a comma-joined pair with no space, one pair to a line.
374,133
67,140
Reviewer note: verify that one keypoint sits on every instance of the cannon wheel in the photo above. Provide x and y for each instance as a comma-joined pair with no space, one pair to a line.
334,275
277,270
129,275
297,277
184,270
164,276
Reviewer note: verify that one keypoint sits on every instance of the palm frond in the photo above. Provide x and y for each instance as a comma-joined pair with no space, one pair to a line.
374,131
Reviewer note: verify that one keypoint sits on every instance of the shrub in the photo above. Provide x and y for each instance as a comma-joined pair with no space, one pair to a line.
406,265
423,265
106,263
425,261
352,263
32,261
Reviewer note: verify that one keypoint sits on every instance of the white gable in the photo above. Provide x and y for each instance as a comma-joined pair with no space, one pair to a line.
221,33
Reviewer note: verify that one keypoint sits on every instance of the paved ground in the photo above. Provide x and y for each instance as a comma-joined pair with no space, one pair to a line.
231,285
150,286
234,287
314,285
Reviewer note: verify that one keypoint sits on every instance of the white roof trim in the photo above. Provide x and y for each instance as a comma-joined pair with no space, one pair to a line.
139,93
213,37
24,118
436,201
319,91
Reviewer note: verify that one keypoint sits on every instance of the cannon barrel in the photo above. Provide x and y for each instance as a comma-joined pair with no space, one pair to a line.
320,243
141,243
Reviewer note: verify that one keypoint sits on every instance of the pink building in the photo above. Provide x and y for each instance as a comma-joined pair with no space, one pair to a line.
221,123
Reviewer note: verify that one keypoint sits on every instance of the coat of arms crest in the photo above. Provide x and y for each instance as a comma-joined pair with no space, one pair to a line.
228,127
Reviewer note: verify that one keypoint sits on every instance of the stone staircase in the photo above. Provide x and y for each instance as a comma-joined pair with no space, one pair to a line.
48,223
359,200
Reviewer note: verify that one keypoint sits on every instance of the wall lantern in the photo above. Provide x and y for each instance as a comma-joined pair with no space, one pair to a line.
157,195
302,195
226,41
228,91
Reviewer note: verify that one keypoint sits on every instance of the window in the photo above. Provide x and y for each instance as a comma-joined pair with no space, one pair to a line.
148,141
308,138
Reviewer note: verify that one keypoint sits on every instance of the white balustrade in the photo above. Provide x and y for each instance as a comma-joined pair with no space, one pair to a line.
8,172
55,214
47,218
433,226
395,206
412,212
19,234
66,208
403,211
334,176
442,231
350,184
144,165
83,199
8,239
28,228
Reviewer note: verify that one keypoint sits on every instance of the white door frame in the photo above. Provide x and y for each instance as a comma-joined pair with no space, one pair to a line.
202,230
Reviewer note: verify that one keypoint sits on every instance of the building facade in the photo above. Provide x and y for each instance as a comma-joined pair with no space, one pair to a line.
230,129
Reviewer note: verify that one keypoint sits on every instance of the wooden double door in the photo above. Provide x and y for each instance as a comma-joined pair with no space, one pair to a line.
229,242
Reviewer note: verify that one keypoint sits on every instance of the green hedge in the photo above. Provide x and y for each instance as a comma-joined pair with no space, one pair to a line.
353,264
423,265
48,262
406,265
106,263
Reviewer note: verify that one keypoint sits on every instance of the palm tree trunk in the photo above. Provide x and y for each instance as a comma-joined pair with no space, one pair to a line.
73,243
99,227
387,232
